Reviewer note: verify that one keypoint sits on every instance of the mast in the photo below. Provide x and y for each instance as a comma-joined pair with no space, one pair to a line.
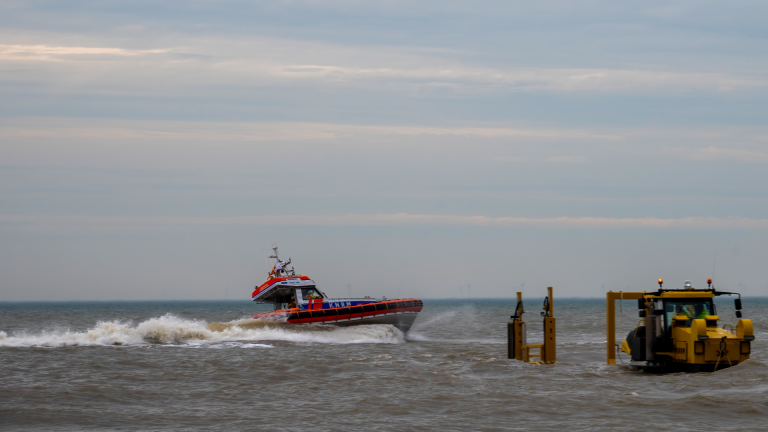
284,264
274,255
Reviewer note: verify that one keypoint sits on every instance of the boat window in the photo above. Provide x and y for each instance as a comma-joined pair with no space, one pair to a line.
689,308
310,293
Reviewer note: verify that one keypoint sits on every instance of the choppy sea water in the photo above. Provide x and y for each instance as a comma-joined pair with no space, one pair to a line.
207,366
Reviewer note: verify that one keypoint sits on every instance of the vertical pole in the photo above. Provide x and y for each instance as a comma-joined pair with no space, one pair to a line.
514,337
550,312
519,340
511,339
518,329
549,350
611,324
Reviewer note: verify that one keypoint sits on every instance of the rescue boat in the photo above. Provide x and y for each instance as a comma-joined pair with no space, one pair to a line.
297,300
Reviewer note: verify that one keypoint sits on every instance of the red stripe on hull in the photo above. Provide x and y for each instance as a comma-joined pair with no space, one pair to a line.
346,317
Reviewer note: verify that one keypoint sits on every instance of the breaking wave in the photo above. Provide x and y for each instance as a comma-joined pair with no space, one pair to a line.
172,330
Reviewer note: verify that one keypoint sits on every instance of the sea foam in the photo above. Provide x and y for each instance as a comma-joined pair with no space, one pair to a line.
172,330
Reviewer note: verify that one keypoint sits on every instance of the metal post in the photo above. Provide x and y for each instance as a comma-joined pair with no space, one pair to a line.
511,339
516,331
549,350
611,318
520,340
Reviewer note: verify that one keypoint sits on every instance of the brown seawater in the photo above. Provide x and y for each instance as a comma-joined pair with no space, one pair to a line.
207,366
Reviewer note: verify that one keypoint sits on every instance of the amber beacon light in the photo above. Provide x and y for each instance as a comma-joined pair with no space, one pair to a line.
661,281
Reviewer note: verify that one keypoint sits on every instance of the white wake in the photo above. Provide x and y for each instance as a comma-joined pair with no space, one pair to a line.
172,330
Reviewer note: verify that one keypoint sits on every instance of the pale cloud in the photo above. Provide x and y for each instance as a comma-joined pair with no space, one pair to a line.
712,153
743,155
532,79
260,62
511,158
565,159
549,159
186,145
48,52
118,222
29,141
73,128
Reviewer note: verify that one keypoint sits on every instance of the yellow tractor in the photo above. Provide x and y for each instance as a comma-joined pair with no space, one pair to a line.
678,331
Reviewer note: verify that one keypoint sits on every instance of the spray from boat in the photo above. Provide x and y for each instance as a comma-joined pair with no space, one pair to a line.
171,330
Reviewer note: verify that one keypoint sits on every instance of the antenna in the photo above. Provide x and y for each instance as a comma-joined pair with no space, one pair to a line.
274,253
285,244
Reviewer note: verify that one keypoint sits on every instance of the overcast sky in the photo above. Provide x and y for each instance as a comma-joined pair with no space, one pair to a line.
156,150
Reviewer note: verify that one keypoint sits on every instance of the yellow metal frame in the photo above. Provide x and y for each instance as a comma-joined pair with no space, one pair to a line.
518,349
610,299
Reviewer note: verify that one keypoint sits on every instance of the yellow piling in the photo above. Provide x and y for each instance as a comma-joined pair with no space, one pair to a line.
549,350
516,334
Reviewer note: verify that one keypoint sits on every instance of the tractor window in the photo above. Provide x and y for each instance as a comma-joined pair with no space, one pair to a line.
689,308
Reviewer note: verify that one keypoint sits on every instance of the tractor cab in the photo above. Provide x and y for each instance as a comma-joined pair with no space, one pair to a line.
679,331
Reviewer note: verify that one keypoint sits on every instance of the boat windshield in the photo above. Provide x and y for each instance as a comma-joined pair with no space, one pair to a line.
689,308
310,293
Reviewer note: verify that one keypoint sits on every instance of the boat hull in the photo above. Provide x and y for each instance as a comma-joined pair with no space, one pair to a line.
403,321
398,313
